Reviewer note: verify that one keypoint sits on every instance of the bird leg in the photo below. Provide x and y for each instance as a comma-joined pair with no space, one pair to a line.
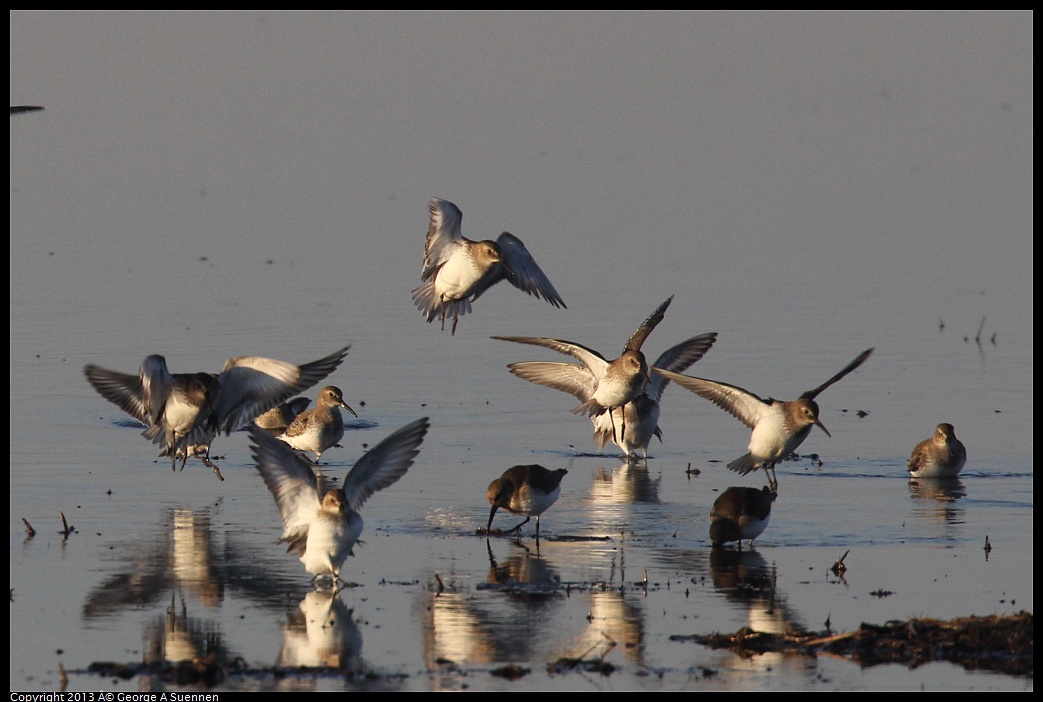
773,483
518,527
205,458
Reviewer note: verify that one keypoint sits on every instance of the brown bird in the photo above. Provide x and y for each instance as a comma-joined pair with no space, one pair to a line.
528,490
320,428
740,513
941,456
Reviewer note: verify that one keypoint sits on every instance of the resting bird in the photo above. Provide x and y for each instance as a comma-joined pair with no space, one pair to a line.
320,428
941,456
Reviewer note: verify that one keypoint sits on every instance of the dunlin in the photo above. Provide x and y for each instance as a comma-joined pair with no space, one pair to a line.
779,427
528,490
457,270
320,428
278,418
638,418
185,411
740,513
323,529
600,385
941,456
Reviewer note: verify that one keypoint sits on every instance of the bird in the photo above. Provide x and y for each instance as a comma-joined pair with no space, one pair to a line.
457,271
320,428
779,427
639,417
941,456
184,412
599,384
278,418
323,529
526,489
740,513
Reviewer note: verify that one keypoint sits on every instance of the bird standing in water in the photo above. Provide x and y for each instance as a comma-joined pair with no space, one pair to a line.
526,489
779,427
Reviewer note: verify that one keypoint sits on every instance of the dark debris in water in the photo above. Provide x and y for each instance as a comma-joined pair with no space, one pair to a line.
208,672
510,672
994,643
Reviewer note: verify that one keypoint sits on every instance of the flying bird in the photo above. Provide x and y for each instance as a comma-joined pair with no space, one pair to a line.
457,271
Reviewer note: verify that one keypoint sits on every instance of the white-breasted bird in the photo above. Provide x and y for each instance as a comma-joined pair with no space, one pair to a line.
600,385
322,529
457,270
779,426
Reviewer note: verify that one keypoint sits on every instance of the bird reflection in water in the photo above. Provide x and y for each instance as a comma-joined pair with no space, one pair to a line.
321,633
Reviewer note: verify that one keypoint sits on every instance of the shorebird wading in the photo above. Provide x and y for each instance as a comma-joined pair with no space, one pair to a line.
323,529
601,385
779,427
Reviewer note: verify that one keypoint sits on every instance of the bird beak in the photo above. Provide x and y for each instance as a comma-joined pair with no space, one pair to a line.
345,406
492,513
823,428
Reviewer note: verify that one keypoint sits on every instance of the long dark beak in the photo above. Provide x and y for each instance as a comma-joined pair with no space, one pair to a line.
823,428
492,513
345,406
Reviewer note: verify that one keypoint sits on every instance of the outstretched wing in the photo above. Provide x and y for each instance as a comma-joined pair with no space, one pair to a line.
121,389
252,385
567,377
590,358
639,336
443,236
810,394
522,271
292,483
741,404
678,358
385,463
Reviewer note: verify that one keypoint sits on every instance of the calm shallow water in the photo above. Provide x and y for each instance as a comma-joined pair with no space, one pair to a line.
290,233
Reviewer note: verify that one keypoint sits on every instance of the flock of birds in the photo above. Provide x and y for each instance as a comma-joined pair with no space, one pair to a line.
184,412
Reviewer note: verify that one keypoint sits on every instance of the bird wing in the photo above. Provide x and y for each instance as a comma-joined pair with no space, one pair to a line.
385,463
156,382
252,385
590,358
639,336
443,236
292,483
121,389
521,271
810,394
576,380
678,358
741,404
